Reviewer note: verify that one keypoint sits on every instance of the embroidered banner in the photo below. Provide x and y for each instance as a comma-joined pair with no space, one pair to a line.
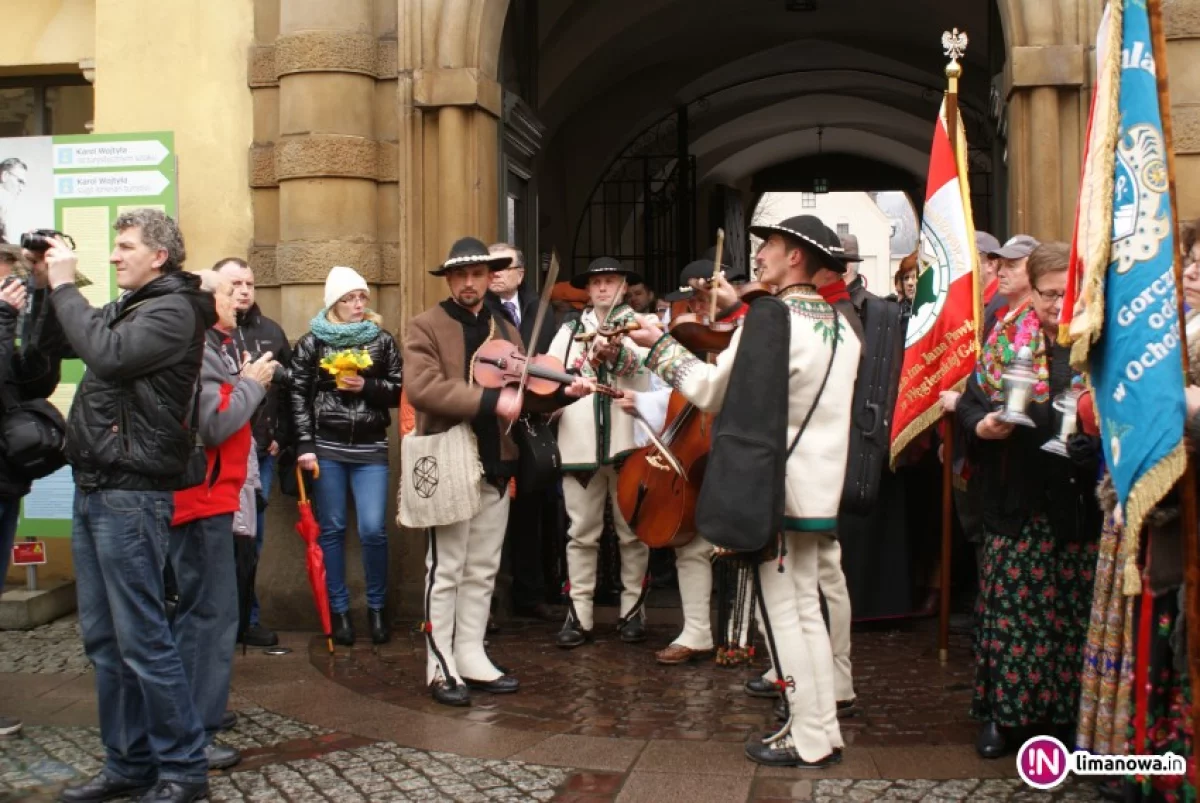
939,348
1135,362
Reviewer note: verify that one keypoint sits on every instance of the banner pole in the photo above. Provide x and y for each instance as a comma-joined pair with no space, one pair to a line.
953,71
1187,485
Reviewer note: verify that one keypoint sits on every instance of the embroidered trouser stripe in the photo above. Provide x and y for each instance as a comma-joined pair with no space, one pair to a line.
435,654
585,507
791,608
461,585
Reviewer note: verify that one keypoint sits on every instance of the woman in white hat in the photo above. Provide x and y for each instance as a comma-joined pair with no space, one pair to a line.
341,423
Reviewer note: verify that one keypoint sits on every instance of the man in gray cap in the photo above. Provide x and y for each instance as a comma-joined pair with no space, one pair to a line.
986,245
1012,280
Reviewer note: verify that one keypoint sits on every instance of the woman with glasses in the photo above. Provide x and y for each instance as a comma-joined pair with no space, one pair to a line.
1040,523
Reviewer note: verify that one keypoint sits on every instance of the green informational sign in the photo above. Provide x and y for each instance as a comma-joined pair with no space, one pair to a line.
79,185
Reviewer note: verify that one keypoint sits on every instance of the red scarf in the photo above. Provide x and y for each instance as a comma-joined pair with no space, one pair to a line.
834,291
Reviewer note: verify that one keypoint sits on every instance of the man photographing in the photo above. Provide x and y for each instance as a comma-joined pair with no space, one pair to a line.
131,444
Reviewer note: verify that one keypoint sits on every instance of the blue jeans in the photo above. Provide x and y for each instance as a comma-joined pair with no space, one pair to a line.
147,717
10,512
206,621
369,484
266,475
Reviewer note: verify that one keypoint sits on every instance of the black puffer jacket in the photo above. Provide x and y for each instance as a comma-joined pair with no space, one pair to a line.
129,427
320,410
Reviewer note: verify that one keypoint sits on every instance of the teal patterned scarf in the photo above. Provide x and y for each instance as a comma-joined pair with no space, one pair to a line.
343,335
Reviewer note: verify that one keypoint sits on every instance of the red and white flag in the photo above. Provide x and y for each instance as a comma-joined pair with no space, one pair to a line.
940,346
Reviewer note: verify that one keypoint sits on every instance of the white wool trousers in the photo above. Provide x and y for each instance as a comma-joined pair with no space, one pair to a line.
585,508
837,602
461,563
801,645
693,565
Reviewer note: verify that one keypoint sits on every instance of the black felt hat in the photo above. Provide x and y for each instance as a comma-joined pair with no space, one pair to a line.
598,267
700,269
469,251
810,232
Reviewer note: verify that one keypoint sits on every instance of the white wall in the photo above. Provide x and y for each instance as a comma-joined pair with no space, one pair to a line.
853,209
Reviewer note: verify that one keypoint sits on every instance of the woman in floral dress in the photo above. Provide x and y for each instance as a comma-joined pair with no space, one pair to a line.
1041,523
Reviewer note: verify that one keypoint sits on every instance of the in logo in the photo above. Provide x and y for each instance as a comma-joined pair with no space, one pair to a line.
1043,762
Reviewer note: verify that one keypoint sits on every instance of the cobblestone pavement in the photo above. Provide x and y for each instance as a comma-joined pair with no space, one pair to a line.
56,647
612,689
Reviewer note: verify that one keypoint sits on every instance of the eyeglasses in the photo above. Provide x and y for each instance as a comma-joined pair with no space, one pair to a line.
1050,296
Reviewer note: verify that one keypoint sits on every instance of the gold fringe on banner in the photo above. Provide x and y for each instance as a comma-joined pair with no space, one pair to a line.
921,423
1147,492
1095,224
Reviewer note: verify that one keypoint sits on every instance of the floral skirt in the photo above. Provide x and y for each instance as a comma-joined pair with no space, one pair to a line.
1031,621
1169,723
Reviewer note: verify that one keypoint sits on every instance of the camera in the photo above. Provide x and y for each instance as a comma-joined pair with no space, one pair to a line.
38,240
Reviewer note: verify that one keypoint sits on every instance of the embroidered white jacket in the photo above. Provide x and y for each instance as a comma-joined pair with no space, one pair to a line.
593,431
817,467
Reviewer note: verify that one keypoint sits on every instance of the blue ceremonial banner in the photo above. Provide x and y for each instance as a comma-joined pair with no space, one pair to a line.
1136,365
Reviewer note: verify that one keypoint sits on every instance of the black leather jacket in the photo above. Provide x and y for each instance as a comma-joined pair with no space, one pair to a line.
129,427
320,410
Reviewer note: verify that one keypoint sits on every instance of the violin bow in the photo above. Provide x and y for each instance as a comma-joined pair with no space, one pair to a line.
663,449
712,303
531,346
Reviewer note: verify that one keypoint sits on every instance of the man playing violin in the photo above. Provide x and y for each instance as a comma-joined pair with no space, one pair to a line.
593,437
463,559
822,358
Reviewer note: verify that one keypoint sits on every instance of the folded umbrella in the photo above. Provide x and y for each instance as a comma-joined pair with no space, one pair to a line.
245,557
314,558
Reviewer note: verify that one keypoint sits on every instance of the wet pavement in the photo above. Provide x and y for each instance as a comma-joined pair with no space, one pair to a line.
611,689
600,723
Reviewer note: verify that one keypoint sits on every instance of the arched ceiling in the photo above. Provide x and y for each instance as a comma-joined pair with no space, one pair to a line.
757,79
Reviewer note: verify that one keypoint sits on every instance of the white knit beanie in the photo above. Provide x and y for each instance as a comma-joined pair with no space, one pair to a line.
340,281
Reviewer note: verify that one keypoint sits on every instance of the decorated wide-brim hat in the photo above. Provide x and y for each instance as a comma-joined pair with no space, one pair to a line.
599,267
810,232
467,252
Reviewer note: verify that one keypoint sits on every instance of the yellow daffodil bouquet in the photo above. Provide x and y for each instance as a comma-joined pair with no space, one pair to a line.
347,362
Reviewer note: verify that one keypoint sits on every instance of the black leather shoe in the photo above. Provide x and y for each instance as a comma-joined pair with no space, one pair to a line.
343,629
259,636
381,633
101,787
222,757
770,756
634,631
176,792
572,635
229,721
757,687
458,696
505,684
991,742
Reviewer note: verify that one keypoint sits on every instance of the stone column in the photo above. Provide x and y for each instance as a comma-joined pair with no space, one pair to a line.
1181,20
1046,75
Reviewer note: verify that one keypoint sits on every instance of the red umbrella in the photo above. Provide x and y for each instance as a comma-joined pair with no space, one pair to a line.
314,558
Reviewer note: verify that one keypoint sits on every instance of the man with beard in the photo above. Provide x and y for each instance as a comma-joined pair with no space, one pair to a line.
463,558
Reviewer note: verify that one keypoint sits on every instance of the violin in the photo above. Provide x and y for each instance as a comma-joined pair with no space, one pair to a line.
500,364
752,290
700,334
608,330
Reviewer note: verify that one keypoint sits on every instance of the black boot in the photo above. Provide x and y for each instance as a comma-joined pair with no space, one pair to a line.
380,632
991,742
101,787
343,629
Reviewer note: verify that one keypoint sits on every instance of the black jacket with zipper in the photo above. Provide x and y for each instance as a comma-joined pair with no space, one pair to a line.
258,334
320,410
130,425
